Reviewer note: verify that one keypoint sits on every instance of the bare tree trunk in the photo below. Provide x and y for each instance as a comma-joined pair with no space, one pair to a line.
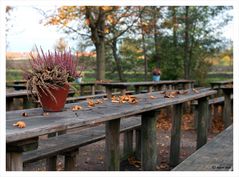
97,27
117,60
145,58
156,36
186,44
100,60
144,48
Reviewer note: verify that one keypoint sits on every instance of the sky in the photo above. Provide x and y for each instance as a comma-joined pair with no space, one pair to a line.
28,32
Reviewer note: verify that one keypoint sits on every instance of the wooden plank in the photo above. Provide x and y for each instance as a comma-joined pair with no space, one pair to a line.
128,143
176,134
70,160
227,119
43,124
14,161
71,141
138,143
203,116
216,155
93,90
109,92
112,149
51,163
148,141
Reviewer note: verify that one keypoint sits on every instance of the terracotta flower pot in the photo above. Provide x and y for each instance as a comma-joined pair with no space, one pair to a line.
50,104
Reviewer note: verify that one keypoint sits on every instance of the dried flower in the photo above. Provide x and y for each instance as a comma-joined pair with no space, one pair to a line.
50,70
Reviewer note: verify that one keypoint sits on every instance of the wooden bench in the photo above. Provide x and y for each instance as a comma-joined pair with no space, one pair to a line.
68,144
215,102
216,155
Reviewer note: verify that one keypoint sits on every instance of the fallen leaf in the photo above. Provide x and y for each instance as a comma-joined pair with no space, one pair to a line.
45,113
20,124
91,103
76,108
152,97
98,101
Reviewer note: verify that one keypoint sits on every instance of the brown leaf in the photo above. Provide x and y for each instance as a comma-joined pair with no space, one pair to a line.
76,108
152,97
91,103
20,124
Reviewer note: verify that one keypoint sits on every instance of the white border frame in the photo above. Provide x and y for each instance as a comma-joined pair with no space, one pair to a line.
4,3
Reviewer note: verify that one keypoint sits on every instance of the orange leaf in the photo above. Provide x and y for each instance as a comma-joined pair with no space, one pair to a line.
20,124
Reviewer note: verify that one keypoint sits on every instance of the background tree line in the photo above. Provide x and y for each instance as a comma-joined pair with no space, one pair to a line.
178,39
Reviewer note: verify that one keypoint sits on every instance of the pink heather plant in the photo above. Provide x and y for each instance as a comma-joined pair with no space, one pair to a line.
50,70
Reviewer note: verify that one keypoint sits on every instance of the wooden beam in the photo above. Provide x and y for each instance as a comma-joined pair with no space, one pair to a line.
112,149
203,116
148,141
138,143
227,108
128,143
51,163
14,161
70,160
176,134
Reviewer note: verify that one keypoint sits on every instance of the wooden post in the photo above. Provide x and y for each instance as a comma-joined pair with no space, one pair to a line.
176,134
81,90
138,143
210,116
14,161
203,115
150,88
112,149
195,115
123,91
70,160
164,87
93,90
109,92
148,141
128,143
10,104
170,87
51,163
27,103
227,108
137,91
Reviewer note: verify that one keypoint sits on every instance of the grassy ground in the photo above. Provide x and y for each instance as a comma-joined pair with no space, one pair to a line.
13,74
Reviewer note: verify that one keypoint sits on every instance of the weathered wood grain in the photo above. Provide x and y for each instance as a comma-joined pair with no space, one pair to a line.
14,161
68,142
39,125
227,109
128,143
176,134
51,163
148,141
216,155
112,149
203,115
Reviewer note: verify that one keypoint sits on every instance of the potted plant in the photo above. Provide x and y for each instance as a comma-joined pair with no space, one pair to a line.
49,77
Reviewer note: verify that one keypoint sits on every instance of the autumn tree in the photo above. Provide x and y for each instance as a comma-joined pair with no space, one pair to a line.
104,25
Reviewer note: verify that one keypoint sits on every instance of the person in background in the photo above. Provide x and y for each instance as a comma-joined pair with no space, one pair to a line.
156,74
